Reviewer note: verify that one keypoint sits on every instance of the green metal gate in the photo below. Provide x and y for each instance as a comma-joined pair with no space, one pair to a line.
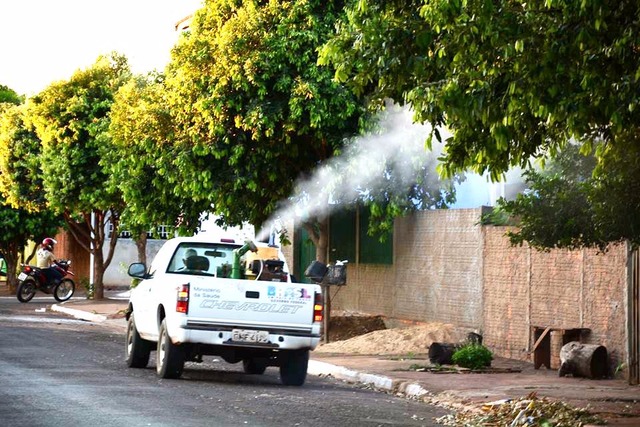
305,253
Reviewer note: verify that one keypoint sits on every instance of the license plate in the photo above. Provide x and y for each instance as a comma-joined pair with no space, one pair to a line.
22,276
247,335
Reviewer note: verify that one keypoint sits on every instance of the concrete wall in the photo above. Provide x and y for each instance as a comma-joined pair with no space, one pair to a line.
126,253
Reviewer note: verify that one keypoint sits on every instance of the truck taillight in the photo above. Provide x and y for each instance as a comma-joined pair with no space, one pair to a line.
182,303
317,307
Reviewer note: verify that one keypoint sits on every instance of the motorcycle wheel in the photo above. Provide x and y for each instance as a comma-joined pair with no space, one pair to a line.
64,290
26,290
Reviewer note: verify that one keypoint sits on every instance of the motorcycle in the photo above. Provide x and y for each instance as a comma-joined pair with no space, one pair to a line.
32,279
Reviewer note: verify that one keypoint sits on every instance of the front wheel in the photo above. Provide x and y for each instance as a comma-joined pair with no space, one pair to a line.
26,290
169,356
64,290
293,367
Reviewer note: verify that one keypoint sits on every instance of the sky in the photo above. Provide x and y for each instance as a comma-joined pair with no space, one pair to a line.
42,41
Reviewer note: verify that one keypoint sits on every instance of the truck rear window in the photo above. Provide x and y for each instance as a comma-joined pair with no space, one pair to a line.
202,259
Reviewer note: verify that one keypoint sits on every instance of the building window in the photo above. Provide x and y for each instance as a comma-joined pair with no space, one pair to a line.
372,250
343,236
161,232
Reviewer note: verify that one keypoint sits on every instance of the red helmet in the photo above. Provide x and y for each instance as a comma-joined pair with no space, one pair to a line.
49,242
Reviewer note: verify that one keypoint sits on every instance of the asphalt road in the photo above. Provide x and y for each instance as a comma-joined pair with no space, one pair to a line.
56,371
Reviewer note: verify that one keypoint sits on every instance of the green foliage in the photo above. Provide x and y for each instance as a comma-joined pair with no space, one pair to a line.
472,356
580,200
555,213
615,192
20,178
17,227
72,119
511,80
88,288
255,111
8,95
142,131
497,216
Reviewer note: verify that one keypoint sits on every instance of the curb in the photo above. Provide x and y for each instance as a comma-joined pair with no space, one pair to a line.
379,382
79,314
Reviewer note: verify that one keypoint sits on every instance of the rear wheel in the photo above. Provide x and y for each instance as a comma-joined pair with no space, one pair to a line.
64,290
138,349
293,367
169,357
26,290
253,366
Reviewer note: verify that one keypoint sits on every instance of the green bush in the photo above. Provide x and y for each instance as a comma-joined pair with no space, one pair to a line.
88,288
472,356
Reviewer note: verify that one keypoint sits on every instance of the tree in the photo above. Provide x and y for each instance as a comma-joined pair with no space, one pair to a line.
555,211
8,95
17,227
512,80
142,129
615,191
21,181
254,110
22,213
72,120
579,200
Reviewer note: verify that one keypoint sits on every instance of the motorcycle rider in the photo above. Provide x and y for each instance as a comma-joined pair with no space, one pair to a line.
46,259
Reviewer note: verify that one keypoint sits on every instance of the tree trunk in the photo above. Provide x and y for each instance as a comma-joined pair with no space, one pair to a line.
318,231
141,245
583,360
11,258
96,223
319,234
98,275
323,240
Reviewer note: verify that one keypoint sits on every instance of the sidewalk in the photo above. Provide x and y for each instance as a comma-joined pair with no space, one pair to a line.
613,399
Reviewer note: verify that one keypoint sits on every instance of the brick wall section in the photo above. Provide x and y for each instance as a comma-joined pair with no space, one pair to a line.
436,274
447,268
556,278
524,287
506,295
605,300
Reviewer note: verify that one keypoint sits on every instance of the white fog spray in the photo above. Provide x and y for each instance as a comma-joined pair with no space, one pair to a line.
364,166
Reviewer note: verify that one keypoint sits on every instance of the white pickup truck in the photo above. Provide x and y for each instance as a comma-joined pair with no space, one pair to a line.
204,296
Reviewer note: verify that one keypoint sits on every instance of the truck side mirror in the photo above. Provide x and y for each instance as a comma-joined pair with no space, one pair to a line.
138,270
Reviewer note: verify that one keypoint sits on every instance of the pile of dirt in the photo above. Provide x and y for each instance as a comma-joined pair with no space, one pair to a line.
358,334
346,327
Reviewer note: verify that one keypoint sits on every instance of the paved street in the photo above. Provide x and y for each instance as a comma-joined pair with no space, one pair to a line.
58,371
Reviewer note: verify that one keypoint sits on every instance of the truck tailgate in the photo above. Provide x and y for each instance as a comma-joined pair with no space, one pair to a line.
233,302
